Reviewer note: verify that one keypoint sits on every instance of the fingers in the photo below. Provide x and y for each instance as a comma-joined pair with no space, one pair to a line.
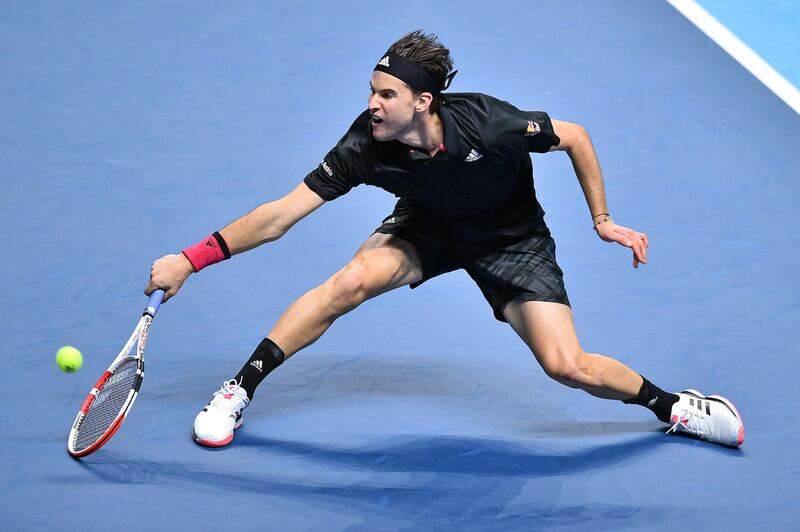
168,273
153,286
157,283
624,236
639,251
638,243
641,248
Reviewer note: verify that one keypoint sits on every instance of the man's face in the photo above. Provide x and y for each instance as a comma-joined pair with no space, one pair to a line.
392,105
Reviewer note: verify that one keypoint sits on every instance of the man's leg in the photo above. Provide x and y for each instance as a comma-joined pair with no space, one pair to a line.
383,262
549,331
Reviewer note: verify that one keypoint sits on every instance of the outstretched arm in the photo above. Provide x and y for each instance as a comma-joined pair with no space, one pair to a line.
578,145
265,223
270,221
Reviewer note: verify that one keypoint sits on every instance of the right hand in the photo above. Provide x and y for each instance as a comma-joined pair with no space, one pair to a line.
169,273
625,236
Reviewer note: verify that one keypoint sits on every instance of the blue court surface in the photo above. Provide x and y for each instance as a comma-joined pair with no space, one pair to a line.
131,130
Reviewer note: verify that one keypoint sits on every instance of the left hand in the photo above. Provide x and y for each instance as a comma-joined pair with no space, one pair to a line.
624,236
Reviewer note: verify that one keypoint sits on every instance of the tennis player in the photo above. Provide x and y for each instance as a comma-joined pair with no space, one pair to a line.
460,164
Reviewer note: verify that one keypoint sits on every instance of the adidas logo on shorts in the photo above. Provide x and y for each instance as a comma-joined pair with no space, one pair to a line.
473,156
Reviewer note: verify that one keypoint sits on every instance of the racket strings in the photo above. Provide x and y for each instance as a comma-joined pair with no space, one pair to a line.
107,405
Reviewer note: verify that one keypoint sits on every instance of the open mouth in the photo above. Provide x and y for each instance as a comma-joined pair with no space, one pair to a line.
376,120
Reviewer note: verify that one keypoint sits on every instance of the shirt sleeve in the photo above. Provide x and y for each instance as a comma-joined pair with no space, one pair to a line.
531,128
343,167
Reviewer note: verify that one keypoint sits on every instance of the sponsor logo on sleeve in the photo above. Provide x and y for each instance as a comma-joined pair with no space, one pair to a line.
532,129
328,169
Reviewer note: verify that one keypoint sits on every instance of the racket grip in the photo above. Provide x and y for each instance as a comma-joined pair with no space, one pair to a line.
154,302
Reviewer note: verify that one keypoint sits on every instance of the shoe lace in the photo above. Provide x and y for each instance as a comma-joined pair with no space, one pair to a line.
689,419
228,388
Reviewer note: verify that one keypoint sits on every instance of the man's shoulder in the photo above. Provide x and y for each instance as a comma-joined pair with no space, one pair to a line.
478,115
468,99
493,121
477,108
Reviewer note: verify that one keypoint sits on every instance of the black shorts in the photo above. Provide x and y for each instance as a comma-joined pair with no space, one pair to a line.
524,270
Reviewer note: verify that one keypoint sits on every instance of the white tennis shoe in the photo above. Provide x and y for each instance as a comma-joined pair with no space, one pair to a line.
214,425
712,418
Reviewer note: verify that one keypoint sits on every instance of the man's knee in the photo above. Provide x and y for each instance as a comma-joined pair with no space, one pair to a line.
567,366
348,288
353,284
372,271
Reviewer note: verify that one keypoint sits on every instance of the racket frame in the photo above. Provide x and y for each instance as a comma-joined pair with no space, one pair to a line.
139,339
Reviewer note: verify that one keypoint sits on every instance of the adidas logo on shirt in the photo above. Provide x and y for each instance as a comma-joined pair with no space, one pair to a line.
258,365
473,156
384,62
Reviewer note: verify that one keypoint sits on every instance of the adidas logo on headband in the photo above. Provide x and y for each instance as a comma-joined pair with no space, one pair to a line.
413,74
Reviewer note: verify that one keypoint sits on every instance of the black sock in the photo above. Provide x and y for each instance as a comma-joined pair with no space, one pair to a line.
657,400
264,359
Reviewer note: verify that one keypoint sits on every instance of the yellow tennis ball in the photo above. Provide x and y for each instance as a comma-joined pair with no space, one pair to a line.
69,359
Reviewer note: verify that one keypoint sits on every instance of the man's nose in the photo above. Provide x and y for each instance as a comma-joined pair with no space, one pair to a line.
373,103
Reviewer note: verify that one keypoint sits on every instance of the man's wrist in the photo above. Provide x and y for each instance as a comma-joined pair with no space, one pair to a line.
187,264
601,219
208,251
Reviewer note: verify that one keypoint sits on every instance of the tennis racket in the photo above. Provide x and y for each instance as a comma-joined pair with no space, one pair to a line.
112,397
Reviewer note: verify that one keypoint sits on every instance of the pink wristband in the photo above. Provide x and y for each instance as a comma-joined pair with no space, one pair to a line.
208,251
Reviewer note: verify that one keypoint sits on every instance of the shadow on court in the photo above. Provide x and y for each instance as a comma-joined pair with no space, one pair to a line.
447,480
458,455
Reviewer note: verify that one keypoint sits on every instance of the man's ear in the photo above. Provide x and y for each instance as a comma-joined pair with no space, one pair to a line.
424,101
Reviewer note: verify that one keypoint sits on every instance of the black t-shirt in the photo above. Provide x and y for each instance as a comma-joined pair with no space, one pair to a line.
481,185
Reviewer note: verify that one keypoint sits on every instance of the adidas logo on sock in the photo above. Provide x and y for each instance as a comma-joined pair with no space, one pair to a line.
473,156
258,365
652,401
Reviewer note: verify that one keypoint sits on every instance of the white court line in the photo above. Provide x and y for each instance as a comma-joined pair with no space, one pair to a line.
739,51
